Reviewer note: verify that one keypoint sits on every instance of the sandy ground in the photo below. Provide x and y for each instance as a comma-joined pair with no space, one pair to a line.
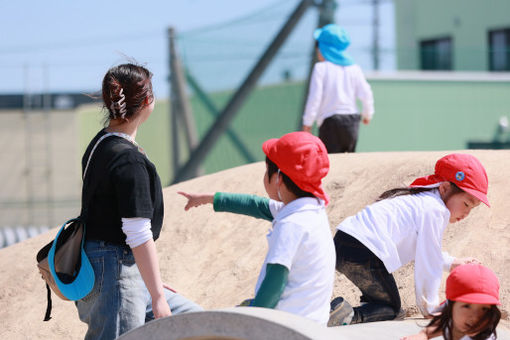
214,258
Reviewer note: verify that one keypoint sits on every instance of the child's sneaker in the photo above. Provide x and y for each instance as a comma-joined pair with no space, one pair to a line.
341,312
401,315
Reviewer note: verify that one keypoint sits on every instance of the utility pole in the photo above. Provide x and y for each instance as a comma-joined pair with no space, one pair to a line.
181,110
375,28
327,10
228,113
174,108
236,140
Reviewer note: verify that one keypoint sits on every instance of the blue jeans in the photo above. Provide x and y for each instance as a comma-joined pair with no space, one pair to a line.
380,298
119,300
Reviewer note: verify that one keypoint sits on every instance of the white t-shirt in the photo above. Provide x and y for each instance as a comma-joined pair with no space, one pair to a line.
301,241
406,228
465,337
334,89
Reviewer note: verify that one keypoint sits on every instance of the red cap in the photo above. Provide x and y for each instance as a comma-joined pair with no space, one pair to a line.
473,283
463,170
303,157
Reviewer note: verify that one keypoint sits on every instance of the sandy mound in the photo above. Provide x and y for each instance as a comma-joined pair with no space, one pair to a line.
214,258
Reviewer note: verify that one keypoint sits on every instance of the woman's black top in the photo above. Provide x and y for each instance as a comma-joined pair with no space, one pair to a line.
124,183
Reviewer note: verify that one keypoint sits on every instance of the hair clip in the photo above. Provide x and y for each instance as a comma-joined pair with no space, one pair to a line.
122,104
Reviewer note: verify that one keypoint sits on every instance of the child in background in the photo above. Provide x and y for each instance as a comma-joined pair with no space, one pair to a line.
336,83
470,311
298,271
406,224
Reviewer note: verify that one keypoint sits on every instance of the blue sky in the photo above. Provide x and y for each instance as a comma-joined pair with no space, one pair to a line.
69,45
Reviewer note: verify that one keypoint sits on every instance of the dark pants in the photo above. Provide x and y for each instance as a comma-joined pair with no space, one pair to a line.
340,132
380,298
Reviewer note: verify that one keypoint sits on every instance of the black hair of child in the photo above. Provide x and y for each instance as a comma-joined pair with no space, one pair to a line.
412,191
272,168
487,324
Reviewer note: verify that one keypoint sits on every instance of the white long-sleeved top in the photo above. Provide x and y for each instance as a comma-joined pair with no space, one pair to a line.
300,240
334,90
137,230
406,228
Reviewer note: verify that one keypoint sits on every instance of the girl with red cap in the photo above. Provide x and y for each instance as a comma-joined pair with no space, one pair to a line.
470,311
406,224
299,269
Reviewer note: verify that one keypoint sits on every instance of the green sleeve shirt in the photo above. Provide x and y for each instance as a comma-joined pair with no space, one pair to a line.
250,205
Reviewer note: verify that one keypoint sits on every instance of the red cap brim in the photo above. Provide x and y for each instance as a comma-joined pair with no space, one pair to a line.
480,298
478,194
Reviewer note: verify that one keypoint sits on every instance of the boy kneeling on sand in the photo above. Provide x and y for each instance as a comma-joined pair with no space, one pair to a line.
299,269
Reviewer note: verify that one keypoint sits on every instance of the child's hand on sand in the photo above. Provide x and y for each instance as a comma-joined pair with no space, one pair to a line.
419,336
195,200
167,286
463,260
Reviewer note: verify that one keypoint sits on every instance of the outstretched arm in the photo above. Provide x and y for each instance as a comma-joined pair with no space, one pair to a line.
250,205
418,336
196,200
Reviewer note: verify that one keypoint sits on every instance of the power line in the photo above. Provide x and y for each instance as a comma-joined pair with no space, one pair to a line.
241,20
137,36
158,34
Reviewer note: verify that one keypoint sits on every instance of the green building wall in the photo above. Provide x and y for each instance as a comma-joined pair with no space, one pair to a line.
412,113
467,22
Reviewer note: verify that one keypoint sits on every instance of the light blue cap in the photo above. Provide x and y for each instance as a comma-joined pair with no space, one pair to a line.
333,40
83,281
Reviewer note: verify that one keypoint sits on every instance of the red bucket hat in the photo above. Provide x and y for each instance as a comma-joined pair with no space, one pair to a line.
463,170
473,283
303,157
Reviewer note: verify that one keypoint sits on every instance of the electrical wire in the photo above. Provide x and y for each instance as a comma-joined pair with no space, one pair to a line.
241,20
147,35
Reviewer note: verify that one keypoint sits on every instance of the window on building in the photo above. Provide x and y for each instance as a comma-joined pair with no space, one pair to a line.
436,54
499,50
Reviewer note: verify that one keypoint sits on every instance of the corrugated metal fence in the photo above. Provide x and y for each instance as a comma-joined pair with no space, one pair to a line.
12,235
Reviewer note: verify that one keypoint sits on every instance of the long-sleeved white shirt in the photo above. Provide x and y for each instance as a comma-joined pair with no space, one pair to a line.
406,228
334,90
137,230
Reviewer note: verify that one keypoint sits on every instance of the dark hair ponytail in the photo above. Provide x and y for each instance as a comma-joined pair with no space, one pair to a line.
403,191
125,88
413,191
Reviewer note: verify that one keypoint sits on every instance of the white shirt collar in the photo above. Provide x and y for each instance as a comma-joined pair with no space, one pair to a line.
300,204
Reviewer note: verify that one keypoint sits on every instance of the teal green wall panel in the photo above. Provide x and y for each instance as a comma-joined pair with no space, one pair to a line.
410,115
466,21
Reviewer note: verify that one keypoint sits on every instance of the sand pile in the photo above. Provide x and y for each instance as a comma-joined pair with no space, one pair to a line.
214,258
